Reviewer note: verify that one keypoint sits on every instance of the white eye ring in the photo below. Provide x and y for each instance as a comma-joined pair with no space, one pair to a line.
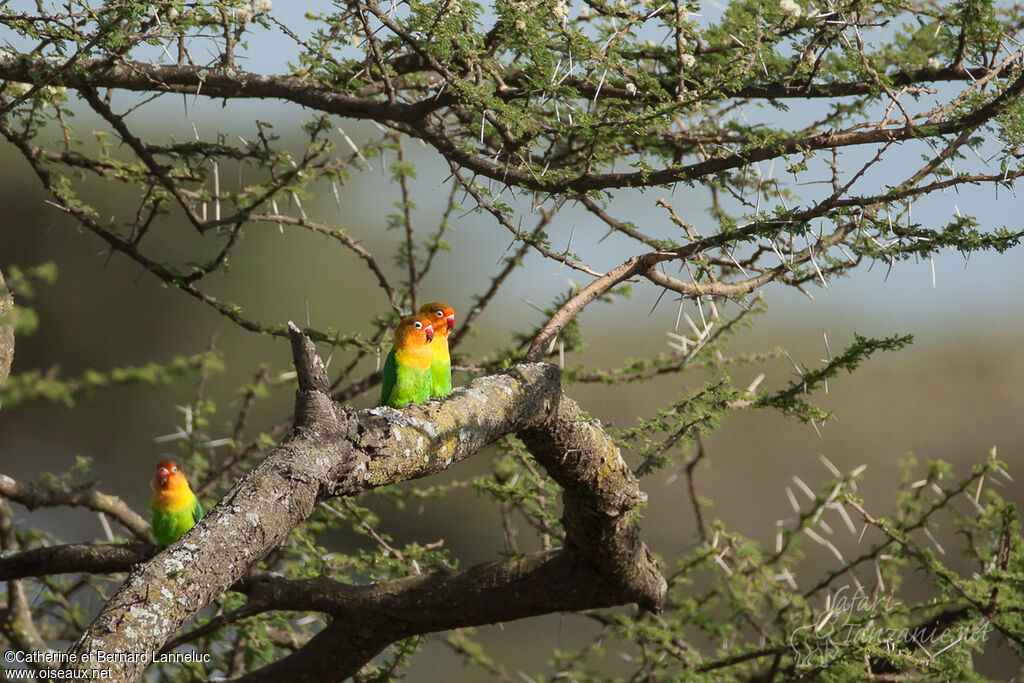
174,468
440,314
418,325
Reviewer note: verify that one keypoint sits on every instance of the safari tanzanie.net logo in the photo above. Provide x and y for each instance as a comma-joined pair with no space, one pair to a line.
851,618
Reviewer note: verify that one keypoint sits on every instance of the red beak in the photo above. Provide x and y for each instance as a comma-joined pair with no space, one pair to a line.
162,475
451,321
429,331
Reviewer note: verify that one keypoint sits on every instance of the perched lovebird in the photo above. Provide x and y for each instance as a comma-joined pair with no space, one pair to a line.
175,509
407,368
442,317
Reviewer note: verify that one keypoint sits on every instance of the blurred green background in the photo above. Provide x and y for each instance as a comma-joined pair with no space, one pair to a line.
955,394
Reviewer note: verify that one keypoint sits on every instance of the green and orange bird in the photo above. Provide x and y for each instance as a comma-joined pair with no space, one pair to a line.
174,508
407,368
442,317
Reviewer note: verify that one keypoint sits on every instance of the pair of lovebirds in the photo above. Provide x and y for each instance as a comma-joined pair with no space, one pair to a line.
417,369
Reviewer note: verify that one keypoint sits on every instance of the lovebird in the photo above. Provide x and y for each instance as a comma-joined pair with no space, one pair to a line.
407,368
174,508
442,317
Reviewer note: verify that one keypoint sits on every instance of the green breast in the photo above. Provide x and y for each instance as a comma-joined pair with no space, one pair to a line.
403,384
168,527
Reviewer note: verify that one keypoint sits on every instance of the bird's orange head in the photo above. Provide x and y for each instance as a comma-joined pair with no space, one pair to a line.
169,478
442,317
414,331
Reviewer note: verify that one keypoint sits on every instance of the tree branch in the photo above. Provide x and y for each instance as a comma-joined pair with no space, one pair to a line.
369,618
336,451
92,558
6,332
412,118
87,496
16,623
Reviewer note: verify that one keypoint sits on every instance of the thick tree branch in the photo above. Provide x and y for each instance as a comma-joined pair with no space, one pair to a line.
369,618
92,558
6,332
601,494
413,118
210,82
16,623
335,451
87,496
238,84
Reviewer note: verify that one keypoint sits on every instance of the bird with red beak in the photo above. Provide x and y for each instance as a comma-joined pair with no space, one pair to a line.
442,317
174,508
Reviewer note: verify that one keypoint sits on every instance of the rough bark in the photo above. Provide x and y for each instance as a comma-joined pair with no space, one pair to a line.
334,451
92,558
16,624
600,496
369,618
6,332
413,118
33,496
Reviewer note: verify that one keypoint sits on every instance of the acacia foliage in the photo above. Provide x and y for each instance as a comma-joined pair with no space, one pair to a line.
795,119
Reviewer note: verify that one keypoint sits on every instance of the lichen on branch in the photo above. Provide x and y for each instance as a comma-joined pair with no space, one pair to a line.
334,450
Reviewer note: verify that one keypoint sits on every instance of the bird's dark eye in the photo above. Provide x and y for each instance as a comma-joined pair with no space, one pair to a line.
418,325
174,468
440,314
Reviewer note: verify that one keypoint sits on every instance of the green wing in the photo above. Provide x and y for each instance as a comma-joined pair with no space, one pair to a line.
387,383
197,512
